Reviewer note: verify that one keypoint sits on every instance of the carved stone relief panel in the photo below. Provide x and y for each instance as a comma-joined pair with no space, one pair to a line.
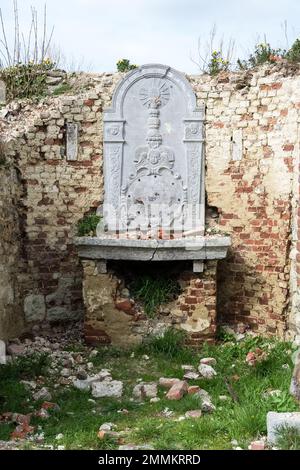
153,162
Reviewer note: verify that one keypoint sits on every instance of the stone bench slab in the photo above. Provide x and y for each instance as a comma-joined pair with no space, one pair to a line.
191,248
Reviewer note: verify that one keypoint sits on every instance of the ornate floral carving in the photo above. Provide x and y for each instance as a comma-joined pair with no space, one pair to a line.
113,130
114,169
193,130
194,173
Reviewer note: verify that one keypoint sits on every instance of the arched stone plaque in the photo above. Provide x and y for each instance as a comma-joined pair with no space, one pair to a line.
153,154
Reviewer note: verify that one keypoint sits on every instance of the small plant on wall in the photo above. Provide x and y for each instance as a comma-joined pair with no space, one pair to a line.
217,63
25,63
214,54
293,53
87,225
124,65
263,53
26,80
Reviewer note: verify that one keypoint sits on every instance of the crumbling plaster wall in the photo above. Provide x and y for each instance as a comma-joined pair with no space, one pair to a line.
252,168
11,309
112,319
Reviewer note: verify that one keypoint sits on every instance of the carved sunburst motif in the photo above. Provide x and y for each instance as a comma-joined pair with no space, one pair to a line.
158,93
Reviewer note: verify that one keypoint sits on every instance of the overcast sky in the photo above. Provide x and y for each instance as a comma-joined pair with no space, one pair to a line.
96,33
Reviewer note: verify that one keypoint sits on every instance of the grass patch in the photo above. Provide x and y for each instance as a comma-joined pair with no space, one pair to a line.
170,345
14,397
62,89
25,368
145,423
288,438
154,291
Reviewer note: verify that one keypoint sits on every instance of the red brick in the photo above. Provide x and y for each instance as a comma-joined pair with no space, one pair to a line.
244,236
190,300
89,103
272,120
218,124
167,382
184,307
264,87
257,445
288,147
198,283
276,85
228,216
86,143
178,390
125,305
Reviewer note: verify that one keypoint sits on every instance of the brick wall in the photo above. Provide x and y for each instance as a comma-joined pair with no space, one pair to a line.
197,303
252,149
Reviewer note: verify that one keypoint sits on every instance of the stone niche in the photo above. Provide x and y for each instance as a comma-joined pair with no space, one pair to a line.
154,207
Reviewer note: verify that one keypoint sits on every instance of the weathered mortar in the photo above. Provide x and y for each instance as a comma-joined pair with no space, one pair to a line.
251,150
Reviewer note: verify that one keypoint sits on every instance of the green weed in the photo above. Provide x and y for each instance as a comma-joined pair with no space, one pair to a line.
153,291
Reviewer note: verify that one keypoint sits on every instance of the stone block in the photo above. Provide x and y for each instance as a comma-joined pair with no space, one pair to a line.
145,390
82,384
16,349
193,414
190,248
59,313
34,308
72,141
2,92
193,389
102,267
167,382
257,445
210,361
191,375
205,401
107,388
207,371
198,266
295,382
275,421
2,352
